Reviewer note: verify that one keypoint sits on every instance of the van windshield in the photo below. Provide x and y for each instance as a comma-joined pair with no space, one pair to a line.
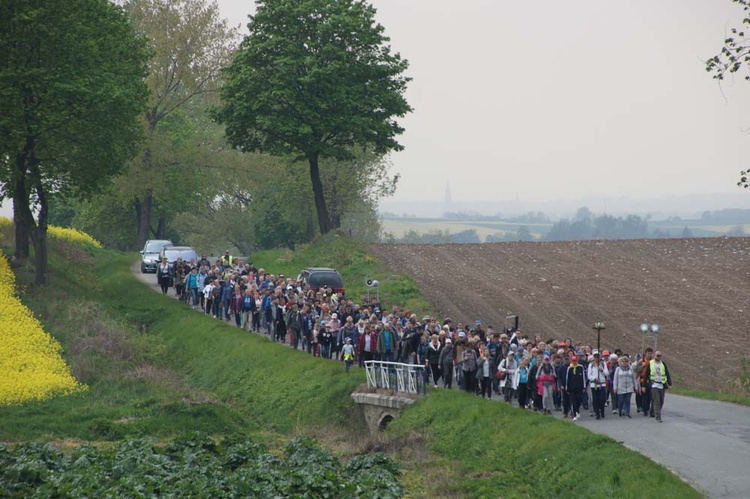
155,246
330,279
186,255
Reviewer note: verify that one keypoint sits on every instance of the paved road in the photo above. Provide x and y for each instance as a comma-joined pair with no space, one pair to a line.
707,443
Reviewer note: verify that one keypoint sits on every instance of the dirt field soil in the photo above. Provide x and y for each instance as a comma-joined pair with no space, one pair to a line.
697,290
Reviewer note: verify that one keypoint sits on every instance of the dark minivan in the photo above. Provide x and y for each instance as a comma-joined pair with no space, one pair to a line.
322,277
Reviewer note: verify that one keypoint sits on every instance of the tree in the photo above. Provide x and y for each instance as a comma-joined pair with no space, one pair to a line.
733,58
71,93
313,79
190,44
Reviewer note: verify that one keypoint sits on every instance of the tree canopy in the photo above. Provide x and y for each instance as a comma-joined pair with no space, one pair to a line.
71,94
314,79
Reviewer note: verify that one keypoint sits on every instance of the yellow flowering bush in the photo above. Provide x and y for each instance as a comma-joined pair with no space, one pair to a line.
72,235
67,234
31,365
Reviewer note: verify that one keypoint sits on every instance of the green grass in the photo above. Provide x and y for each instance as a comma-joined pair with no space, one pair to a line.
484,449
734,398
157,369
354,264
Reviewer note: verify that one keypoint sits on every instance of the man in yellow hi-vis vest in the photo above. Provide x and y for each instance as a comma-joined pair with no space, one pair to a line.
658,378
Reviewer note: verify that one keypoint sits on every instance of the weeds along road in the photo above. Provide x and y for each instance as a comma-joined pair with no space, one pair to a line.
707,443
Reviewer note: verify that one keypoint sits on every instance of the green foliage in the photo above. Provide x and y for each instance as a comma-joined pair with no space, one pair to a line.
314,79
196,466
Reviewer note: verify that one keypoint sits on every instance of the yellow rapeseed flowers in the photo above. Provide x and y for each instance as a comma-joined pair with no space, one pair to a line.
68,234
31,365
72,235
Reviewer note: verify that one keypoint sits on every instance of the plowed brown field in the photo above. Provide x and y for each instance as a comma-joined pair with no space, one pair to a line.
697,290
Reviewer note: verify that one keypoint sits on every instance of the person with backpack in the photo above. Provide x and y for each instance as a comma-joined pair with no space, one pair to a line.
598,375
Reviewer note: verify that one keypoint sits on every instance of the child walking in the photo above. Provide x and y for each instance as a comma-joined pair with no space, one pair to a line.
348,353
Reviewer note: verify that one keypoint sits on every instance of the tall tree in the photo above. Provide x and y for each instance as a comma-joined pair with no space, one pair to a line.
313,79
190,43
71,94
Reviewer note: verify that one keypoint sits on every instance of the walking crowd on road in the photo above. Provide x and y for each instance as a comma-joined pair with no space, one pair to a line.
553,375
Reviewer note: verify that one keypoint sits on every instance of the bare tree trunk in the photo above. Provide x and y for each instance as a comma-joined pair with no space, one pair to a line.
144,223
324,222
39,237
21,215
161,229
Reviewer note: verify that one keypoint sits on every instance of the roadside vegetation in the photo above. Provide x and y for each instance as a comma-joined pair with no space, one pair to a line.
158,371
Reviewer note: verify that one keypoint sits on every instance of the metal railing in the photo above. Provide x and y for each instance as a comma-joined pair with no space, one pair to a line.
395,376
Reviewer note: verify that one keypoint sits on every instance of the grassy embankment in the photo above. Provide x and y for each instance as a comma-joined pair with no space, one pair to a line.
155,368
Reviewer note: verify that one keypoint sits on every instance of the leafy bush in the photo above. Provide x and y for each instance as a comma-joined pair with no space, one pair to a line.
196,466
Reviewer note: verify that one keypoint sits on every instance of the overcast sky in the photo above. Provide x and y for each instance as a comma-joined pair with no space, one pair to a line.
562,100
551,99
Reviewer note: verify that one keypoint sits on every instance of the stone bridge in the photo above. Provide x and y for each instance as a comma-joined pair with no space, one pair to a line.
378,409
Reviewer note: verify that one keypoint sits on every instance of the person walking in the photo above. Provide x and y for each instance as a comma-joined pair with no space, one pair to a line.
484,371
164,276
575,383
659,380
647,407
508,378
545,379
597,375
469,366
434,349
446,363
624,384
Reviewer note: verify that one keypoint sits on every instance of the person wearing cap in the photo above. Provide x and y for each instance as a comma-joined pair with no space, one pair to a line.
597,375
446,363
658,378
575,382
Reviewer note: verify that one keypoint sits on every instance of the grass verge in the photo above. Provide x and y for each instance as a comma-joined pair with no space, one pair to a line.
734,398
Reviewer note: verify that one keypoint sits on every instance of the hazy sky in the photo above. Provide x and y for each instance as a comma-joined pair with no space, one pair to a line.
551,99
563,100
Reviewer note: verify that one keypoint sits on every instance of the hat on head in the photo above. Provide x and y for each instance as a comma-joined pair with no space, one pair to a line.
614,356
513,346
477,322
461,334
605,353
448,341
595,352
573,357
546,357
334,315
348,339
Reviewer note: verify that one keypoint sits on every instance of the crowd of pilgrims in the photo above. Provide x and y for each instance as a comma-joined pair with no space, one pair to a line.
545,376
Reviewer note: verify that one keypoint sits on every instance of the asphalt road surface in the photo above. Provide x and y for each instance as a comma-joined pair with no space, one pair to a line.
706,443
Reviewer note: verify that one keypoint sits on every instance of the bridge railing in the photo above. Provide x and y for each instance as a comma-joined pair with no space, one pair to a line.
407,378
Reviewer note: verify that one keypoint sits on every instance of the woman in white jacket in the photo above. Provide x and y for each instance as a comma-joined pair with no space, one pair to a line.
509,367
624,385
